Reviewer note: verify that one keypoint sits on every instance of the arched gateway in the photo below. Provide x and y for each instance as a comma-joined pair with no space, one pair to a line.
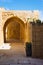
13,30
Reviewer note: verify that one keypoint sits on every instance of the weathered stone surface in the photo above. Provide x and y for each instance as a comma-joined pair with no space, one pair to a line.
23,15
25,31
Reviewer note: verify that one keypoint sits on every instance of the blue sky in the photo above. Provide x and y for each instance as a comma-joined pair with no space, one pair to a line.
23,5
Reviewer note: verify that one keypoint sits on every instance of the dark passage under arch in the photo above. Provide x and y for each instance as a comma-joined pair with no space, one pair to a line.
14,29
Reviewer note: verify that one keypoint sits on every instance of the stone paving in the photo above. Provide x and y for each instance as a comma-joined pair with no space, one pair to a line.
18,60
8,57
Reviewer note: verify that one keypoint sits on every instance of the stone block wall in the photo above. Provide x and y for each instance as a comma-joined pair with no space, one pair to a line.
37,40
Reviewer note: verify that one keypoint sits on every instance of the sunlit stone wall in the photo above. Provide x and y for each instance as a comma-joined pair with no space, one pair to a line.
33,33
23,15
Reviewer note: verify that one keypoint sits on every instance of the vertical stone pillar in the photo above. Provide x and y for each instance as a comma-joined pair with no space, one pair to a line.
26,32
1,30
1,36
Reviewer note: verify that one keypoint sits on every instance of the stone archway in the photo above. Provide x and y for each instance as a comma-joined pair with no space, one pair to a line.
14,30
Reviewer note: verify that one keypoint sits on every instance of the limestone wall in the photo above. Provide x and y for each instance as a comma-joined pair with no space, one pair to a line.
23,16
1,28
37,40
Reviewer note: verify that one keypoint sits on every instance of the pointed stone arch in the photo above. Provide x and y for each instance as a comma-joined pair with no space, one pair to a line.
20,28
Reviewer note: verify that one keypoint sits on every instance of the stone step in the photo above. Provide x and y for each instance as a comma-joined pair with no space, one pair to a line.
21,61
15,64
23,64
